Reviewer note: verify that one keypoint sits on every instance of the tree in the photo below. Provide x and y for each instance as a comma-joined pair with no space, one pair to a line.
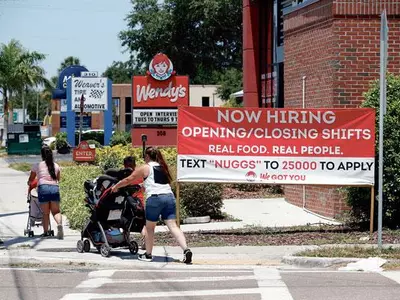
121,72
19,69
230,82
200,37
69,61
359,198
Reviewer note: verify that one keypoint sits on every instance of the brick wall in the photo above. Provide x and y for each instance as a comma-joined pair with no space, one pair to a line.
335,44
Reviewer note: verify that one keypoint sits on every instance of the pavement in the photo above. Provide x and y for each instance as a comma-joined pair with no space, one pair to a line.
275,212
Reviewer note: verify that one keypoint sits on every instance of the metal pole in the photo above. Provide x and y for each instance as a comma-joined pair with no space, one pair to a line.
382,112
37,107
23,105
371,222
81,118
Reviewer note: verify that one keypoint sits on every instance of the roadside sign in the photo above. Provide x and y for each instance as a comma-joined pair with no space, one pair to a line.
84,153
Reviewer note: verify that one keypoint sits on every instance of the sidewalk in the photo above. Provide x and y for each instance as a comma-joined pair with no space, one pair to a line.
252,212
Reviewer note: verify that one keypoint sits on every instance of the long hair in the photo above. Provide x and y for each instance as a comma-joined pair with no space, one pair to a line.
47,157
156,155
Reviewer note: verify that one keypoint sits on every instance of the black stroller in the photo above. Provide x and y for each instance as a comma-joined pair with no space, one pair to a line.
111,213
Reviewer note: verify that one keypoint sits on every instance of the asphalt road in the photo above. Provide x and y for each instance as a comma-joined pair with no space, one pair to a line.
194,282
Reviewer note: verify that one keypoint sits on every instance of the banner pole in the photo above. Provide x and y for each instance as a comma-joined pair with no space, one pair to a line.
178,204
371,222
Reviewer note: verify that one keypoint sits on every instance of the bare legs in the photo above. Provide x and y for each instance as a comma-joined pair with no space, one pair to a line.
54,208
175,230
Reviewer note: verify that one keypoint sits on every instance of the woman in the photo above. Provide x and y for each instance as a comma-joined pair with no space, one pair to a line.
159,201
48,177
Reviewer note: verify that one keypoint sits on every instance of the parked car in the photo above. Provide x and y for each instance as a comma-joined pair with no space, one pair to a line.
49,140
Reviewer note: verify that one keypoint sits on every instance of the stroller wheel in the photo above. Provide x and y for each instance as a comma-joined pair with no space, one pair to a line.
133,247
26,231
31,234
80,246
86,245
105,250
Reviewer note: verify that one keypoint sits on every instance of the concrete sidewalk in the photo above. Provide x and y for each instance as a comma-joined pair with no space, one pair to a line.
252,212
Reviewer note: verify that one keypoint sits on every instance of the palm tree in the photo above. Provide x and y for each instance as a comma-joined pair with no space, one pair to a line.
69,61
18,70
30,74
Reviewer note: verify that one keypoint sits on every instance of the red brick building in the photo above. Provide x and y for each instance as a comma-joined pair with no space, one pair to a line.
330,45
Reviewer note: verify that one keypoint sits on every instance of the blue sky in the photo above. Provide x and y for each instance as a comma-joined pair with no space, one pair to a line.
87,29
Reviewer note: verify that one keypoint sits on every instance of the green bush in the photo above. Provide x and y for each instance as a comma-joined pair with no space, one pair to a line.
359,198
201,199
96,143
121,138
73,195
61,140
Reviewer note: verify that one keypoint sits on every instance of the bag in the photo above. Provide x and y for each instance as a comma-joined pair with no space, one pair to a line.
114,236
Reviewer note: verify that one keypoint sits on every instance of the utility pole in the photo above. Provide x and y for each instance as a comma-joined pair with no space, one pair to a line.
81,118
37,107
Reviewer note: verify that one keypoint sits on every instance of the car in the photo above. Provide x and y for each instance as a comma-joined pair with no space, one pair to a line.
49,140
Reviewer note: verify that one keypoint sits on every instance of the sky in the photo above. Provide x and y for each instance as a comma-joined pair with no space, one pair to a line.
87,29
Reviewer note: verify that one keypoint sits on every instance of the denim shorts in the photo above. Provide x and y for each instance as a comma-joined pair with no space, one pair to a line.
162,204
48,193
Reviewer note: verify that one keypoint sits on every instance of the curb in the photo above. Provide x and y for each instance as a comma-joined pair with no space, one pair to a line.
316,262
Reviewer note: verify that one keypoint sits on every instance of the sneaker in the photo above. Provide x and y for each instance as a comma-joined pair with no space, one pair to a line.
187,256
60,232
45,234
145,257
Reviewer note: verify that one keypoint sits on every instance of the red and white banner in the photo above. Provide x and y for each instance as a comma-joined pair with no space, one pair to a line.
276,146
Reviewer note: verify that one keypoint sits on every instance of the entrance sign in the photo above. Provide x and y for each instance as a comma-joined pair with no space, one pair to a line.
276,146
94,91
155,116
84,153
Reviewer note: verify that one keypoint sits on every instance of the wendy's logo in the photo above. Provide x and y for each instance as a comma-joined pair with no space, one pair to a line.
161,67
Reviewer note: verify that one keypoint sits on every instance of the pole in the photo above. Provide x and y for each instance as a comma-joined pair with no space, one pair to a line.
304,106
37,107
382,112
23,106
81,118
178,205
371,219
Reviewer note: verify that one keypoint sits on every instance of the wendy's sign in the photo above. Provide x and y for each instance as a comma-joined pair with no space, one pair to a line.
161,88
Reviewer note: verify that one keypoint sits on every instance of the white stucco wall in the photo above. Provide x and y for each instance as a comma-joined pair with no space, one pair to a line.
197,92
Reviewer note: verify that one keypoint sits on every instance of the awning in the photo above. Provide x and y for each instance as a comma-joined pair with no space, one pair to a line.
237,94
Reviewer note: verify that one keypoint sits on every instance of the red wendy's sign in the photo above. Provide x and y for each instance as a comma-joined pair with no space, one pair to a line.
161,87
84,153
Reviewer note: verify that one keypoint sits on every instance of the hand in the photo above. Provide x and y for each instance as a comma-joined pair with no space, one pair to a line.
114,189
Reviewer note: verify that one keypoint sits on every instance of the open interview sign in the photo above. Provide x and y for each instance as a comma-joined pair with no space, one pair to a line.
279,146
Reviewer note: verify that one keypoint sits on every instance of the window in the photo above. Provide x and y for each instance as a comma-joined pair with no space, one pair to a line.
205,101
128,113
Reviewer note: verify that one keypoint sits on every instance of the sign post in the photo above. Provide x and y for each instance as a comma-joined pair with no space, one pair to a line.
382,112
81,118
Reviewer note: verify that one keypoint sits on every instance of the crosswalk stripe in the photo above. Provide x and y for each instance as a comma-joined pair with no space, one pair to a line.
274,293
267,278
97,282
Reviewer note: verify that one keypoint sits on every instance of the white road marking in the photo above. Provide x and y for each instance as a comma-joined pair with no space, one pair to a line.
93,296
271,285
393,275
98,282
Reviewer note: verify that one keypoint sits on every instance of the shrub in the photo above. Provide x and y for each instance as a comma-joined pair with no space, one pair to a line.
359,198
72,193
121,138
53,146
61,140
112,157
96,143
201,199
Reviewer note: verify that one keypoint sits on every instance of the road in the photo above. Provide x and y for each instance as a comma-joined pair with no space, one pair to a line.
195,282
31,159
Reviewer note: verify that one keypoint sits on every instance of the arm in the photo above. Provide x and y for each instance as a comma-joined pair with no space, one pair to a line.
32,177
138,173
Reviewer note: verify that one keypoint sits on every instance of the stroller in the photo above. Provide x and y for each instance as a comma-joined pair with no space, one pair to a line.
35,214
109,214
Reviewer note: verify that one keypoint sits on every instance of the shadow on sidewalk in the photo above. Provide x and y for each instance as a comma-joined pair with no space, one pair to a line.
22,241
14,213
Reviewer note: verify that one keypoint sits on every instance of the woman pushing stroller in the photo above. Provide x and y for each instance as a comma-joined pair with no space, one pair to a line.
160,200
48,175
